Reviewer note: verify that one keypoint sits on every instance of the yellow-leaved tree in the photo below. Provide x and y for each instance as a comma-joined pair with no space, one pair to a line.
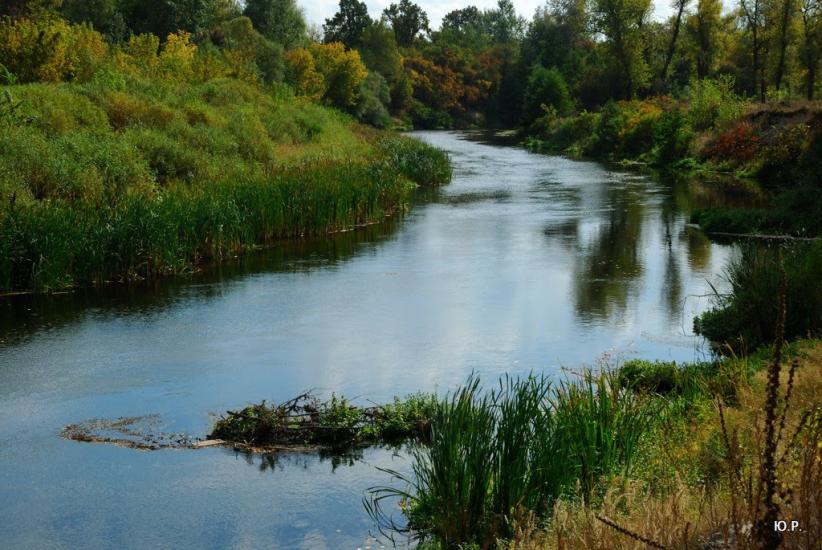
302,75
48,48
177,55
343,72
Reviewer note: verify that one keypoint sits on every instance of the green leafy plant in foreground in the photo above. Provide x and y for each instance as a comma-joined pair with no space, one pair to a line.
495,456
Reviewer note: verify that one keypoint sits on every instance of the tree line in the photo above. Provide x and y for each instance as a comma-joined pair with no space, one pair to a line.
491,66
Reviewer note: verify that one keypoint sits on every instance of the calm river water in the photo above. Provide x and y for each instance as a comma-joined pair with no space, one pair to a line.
524,262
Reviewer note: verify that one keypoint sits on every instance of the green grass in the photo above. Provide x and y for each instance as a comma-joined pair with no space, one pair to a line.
744,319
124,178
496,456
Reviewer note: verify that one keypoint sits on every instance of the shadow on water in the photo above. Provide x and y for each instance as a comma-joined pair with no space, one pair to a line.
24,315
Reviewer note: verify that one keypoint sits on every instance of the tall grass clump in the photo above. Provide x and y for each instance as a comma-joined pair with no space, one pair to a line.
498,457
744,317
416,160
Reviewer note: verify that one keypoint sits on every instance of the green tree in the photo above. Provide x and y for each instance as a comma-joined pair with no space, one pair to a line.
19,8
753,15
811,47
163,17
348,24
104,15
504,24
787,11
463,21
407,19
546,87
703,29
374,97
281,21
679,6
622,21
245,45
379,51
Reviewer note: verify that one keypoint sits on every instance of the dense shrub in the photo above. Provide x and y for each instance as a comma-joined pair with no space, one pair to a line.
430,118
373,101
672,136
301,73
50,49
745,318
545,88
779,160
713,103
736,145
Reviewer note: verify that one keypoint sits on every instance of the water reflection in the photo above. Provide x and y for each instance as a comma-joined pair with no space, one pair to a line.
22,316
608,264
523,263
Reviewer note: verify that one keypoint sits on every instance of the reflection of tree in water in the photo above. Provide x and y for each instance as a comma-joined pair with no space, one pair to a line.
672,278
699,251
607,269
684,198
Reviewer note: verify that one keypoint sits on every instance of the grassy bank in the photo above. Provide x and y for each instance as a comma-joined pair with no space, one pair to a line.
126,177
744,318
708,477
710,131
650,454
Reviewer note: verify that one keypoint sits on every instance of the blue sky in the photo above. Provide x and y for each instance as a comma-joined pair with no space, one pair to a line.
316,11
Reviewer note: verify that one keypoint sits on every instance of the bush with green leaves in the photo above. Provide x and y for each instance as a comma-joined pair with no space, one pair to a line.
713,102
745,317
373,101
546,88
672,136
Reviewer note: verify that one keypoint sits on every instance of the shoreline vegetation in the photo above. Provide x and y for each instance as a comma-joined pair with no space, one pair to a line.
126,181
646,452
153,159
769,152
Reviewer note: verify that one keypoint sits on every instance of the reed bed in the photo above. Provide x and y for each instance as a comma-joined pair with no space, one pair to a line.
498,457
98,184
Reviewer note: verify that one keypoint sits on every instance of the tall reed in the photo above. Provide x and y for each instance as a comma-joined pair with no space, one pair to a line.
496,457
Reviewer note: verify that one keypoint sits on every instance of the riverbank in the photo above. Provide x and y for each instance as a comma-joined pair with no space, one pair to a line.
771,150
652,453
128,176
647,453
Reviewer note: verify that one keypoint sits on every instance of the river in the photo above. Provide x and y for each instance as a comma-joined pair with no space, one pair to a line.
524,262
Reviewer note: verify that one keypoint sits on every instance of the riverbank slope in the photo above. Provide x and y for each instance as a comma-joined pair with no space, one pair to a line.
128,177
768,151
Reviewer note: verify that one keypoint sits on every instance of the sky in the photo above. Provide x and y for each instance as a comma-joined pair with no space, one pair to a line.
317,11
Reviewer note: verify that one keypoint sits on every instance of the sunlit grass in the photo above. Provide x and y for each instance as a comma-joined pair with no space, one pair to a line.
105,181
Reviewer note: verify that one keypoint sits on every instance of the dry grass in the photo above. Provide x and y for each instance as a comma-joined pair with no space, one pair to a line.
702,515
